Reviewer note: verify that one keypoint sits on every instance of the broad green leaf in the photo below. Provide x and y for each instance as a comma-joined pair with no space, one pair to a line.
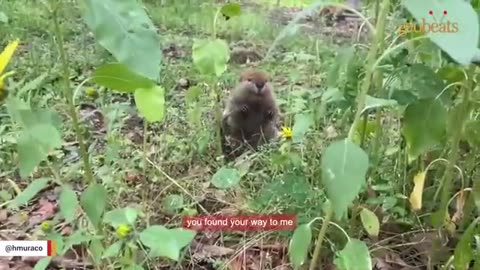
192,94
425,83
117,217
173,202
3,17
302,124
30,154
403,97
34,145
369,129
424,126
451,73
14,105
226,178
164,242
231,10
332,95
292,190
210,57
41,134
243,166
28,193
472,132
151,103
43,263
30,118
370,222
68,203
344,166
355,256
125,30
300,245
373,102
463,253
160,242
96,249
118,77
94,202
183,236
113,250
419,81
77,238
134,267
461,44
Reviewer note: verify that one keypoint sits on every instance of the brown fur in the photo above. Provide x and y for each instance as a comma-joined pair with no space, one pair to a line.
251,112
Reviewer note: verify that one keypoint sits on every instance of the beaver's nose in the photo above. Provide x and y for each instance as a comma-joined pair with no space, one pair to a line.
260,85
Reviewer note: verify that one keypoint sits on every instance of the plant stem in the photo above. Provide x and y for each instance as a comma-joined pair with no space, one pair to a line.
371,59
57,178
145,156
68,93
378,81
453,156
377,9
469,199
364,130
321,235
218,118
215,19
145,136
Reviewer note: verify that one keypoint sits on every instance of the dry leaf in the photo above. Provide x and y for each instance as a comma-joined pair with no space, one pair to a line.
21,266
44,212
416,195
331,132
235,264
18,219
211,251
3,217
381,264
458,215
449,224
31,259
4,265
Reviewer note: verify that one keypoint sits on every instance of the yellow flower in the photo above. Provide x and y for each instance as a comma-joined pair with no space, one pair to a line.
123,230
91,92
46,226
5,57
286,132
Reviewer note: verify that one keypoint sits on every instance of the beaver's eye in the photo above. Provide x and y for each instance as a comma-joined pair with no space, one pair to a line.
249,79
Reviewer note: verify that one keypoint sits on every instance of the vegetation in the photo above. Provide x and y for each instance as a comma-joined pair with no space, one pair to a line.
109,131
